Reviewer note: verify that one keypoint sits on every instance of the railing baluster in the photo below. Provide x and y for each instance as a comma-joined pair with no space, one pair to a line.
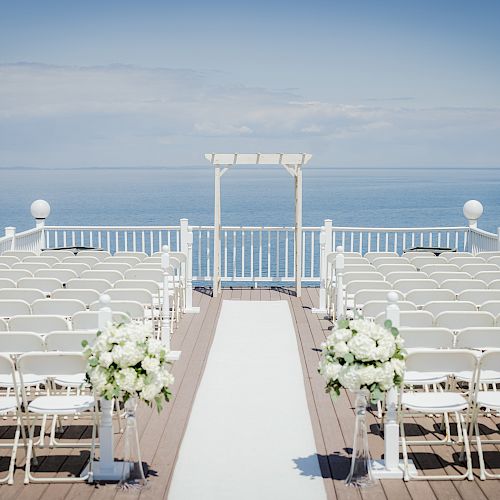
277,253
268,254
242,253
234,254
225,254
260,252
251,254
286,253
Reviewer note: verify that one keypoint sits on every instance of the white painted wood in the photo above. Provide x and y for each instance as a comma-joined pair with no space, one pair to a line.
165,326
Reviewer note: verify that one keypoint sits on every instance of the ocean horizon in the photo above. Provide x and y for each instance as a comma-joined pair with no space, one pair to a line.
257,195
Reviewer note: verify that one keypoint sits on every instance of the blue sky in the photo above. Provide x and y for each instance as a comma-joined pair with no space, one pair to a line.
357,83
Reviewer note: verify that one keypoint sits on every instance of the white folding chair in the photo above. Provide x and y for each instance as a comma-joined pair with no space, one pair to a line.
15,274
492,306
448,401
46,285
361,297
361,276
9,260
51,366
453,255
410,255
459,286
436,307
58,254
421,297
405,275
59,307
426,338
385,269
132,308
29,295
4,266
89,320
98,254
479,297
37,324
8,405
379,261
462,261
406,286
475,269
106,265
20,254
46,259
123,260
482,338
371,256
458,320
488,373
494,285
68,341
10,308
415,319
375,307
85,296
144,274
7,283
99,285
488,276
15,343
3,325
446,276
110,276
488,255
420,262
32,267
78,267
89,260
63,275
359,268
491,260
439,268
140,255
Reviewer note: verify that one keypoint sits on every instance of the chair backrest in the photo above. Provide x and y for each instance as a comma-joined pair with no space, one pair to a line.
356,286
439,268
145,297
458,320
405,275
60,307
46,285
494,285
375,307
410,255
448,361
436,307
20,254
413,319
371,256
110,276
368,275
467,261
50,364
406,286
7,283
123,260
492,306
3,325
457,275
8,371
488,255
89,320
37,323
58,254
479,296
363,296
121,267
29,295
427,338
395,268
63,275
30,266
85,296
489,367
9,308
421,297
488,276
150,285
459,285
491,260
15,274
9,260
420,262
18,342
78,267
4,266
474,269
379,261
144,274
68,341
81,259
46,259
139,255
478,338
99,285
358,268
145,264
132,308
454,255
98,254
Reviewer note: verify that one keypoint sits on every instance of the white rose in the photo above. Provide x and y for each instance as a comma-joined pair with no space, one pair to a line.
151,365
98,378
362,347
105,359
341,349
150,391
369,374
126,379
349,377
342,335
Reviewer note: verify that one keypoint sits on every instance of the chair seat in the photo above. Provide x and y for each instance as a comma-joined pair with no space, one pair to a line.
486,376
489,399
61,405
75,380
7,403
434,402
29,380
418,378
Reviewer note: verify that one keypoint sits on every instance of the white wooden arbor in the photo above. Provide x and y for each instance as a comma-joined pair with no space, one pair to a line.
293,163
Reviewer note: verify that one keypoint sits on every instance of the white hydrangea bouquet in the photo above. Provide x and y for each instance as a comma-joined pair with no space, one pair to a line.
360,354
127,361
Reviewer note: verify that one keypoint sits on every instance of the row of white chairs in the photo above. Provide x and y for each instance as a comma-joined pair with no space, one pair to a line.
64,341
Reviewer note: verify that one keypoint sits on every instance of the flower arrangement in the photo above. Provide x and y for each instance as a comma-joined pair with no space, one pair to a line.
360,354
127,360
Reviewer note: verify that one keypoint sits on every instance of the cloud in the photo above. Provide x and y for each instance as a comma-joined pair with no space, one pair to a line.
120,114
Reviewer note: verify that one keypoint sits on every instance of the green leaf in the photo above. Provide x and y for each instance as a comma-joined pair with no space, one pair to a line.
394,331
376,395
349,358
388,324
93,362
85,343
343,323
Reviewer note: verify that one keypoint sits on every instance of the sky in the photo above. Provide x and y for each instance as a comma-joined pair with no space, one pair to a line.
122,83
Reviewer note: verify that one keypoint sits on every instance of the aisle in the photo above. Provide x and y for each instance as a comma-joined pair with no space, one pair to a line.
250,424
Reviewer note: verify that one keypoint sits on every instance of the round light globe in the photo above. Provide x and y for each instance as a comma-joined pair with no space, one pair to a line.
40,209
473,209
392,297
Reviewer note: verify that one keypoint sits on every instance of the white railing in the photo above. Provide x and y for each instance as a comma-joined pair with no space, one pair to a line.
6,243
483,241
31,240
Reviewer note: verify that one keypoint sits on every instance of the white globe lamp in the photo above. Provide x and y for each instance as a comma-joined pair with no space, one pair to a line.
40,210
473,210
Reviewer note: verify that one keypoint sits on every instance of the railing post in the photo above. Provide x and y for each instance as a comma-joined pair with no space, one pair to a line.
188,307
321,309
498,238
105,315
390,467
40,210
340,307
165,324
10,232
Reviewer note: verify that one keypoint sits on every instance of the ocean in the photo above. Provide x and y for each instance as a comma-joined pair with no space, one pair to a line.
258,195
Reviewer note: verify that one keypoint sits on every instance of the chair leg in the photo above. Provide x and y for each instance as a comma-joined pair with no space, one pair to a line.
29,451
406,473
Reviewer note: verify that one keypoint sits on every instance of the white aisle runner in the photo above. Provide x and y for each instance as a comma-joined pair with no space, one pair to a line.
250,423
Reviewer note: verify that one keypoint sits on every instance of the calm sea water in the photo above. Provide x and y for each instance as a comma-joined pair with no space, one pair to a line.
250,196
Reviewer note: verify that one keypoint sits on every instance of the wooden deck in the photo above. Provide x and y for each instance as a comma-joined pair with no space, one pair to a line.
161,434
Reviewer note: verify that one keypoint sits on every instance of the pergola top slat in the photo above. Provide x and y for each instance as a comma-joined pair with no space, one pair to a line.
258,158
